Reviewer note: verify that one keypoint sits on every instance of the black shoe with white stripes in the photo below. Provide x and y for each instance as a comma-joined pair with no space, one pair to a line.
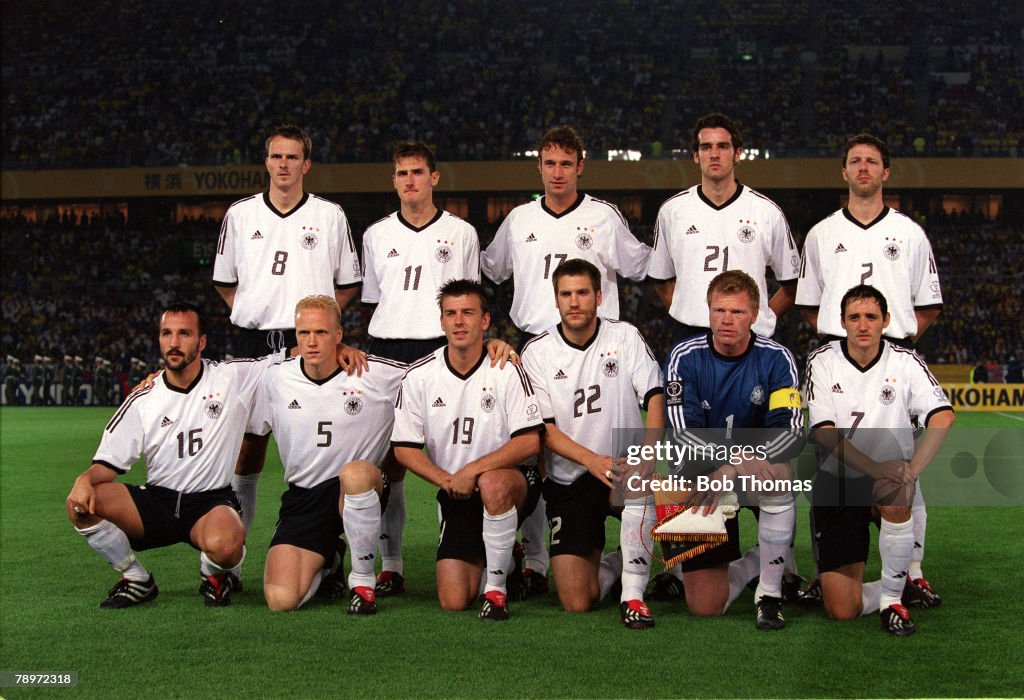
665,586
127,593
635,615
769,613
896,620
215,589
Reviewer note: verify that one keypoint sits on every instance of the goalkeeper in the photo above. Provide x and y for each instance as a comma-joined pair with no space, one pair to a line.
733,387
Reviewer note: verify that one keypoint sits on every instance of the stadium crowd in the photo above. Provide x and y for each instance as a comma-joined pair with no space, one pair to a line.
111,85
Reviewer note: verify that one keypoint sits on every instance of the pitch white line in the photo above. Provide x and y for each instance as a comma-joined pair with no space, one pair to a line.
1009,415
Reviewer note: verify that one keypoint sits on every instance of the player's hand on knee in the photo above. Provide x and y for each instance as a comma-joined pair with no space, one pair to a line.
705,501
462,484
81,500
895,470
604,469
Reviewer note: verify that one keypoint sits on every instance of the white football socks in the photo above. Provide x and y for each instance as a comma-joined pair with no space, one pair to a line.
919,514
535,544
741,572
608,572
391,528
207,567
896,545
112,544
870,596
245,487
638,517
313,586
774,536
499,533
362,530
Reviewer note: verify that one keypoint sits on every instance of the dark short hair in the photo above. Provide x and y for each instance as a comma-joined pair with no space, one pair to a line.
462,288
414,149
290,131
577,266
735,282
564,137
717,120
863,291
867,140
184,307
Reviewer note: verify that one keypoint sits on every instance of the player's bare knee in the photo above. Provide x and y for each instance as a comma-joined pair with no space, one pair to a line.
224,547
707,607
499,492
453,601
895,514
577,601
841,610
359,476
280,598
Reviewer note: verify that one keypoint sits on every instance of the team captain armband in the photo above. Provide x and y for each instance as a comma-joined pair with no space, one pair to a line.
784,398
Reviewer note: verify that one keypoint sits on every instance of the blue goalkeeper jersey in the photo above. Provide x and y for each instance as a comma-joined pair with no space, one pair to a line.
753,398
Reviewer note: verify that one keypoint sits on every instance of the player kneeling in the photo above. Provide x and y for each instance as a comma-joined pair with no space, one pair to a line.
189,426
592,376
477,423
323,417
862,392
304,549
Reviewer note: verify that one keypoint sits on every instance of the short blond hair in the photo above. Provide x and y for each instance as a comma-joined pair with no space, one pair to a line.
735,282
322,302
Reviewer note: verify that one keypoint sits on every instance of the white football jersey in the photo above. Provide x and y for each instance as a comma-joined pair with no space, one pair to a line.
189,437
892,254
463,417
533,240
276,259
593,392
405,266
695,240
320,426
873,406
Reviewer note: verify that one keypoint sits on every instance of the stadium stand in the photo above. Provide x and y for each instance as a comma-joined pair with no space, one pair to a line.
482,80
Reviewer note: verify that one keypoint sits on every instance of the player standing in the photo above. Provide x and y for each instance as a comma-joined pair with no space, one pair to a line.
274,249
530,243
407,256
712,227
867,242
189,426
323,418
477,423
731,387
716,226
862,392
591,375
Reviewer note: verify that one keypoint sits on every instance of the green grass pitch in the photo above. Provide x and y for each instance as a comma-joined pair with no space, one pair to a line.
51,584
